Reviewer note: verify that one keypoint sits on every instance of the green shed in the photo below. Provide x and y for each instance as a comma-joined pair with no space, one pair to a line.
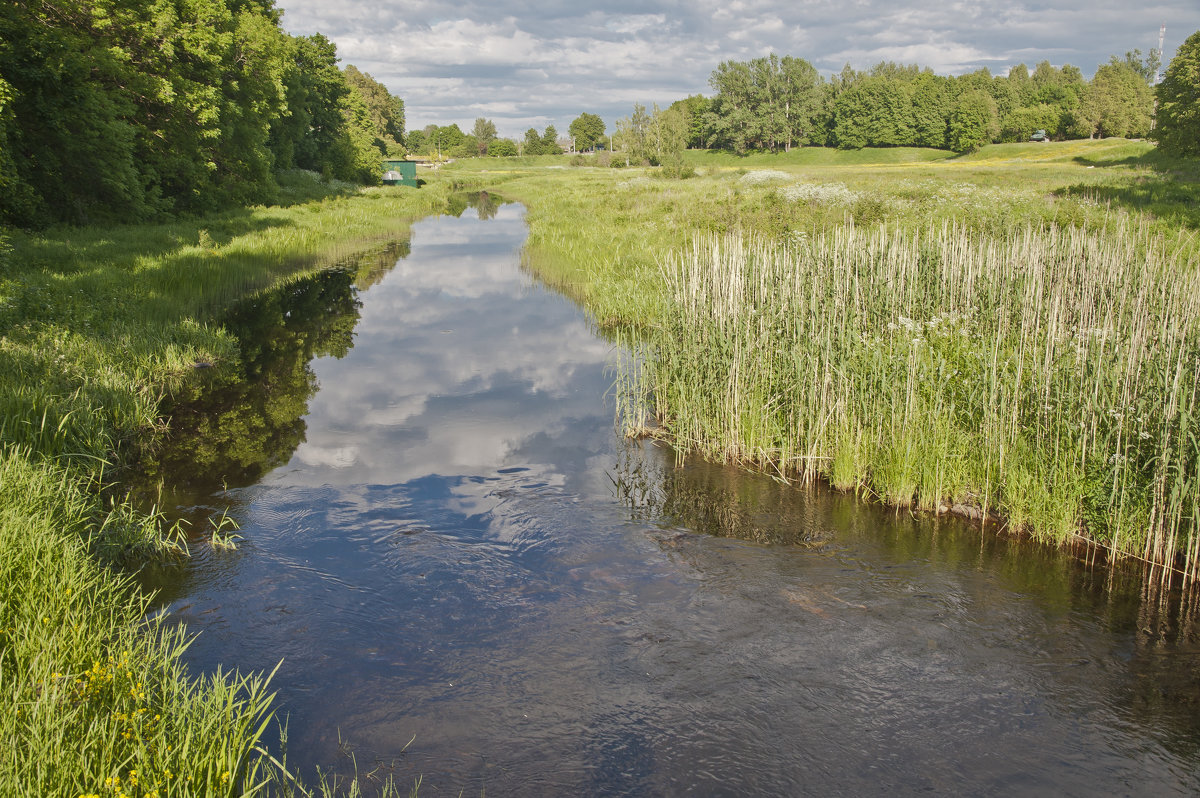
399,172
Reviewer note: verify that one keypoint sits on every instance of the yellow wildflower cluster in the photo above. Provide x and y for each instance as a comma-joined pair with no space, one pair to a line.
101,678
116,787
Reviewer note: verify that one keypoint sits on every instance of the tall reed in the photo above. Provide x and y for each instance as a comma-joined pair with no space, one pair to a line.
1051,375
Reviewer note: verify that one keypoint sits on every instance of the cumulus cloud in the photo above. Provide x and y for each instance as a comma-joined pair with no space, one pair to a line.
545,62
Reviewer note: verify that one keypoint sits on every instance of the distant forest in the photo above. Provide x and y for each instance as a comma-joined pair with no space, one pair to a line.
776,103
773,104
143,109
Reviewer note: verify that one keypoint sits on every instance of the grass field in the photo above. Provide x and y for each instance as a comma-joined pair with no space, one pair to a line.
97,326
1012,331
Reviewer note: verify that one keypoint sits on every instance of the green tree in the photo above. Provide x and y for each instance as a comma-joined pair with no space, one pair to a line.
446,138
768,103
501,148
468,147
874,112
666,135
1063,89
1146,67
800,100
484,132
362,150
1177,128
693,108
588,131
633,134
733,118
550,141
532,145
931,106
140,108
1021,123
416,140
386,111
1117,103
312,132
973,121
1022,84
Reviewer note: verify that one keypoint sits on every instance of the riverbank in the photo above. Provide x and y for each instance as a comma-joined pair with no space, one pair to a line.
1013,332
97,327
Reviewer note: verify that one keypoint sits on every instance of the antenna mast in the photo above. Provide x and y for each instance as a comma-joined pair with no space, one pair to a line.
1161,33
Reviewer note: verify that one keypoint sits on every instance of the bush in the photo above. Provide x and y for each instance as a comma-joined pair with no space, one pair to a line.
674,167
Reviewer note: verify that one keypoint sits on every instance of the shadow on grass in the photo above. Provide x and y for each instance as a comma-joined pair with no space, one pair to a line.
1186,169
1169,190
62,248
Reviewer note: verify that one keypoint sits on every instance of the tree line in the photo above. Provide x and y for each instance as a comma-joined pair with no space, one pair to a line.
449,141
137,109
775,103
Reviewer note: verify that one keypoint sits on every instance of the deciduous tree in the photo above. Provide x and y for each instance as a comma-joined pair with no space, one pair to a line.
587,130
550,141
973,121
1177,127
1118,102
484,133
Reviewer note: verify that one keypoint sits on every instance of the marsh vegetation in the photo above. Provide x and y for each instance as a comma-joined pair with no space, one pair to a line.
1009,333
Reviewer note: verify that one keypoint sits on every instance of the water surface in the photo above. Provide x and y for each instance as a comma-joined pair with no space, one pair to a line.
470,579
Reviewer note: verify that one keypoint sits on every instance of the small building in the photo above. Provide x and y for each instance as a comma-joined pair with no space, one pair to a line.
399,172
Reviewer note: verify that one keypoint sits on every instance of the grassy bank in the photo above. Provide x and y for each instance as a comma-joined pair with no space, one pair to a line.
97,326
1012,331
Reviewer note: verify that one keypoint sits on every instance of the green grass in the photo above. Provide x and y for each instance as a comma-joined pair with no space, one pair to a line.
1068,268
97,326
97,701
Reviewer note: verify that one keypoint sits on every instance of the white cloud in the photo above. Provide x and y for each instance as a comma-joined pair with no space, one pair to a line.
543,62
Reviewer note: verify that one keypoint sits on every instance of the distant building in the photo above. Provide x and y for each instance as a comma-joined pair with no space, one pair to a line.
399,172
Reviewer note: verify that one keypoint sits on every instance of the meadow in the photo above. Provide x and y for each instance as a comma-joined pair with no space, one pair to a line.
98,326
1011,334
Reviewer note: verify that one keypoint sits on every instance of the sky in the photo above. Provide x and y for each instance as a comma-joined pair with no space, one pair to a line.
530,63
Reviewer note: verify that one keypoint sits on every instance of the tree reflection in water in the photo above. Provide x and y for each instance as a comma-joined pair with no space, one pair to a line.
249,420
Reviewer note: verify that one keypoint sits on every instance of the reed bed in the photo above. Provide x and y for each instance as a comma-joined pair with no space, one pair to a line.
1050,376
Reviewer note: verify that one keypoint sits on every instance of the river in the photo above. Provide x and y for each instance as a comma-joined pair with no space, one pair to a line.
471,580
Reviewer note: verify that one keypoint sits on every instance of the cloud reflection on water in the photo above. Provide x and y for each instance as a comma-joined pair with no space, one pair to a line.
454,372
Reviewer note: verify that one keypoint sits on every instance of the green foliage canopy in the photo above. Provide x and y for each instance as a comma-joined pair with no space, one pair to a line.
1117,102
767,103
126,111
1178,119
587,130
974,122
